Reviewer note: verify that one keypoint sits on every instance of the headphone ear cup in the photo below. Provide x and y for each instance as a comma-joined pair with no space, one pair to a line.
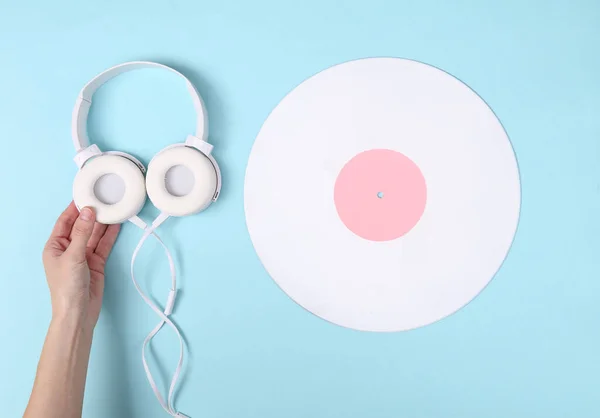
205,181
135,188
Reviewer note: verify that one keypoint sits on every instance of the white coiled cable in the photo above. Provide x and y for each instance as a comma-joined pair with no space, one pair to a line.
164,315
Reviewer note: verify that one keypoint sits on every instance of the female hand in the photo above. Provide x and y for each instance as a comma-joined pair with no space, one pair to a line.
74,258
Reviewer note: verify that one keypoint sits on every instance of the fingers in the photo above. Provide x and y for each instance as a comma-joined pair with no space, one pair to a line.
81,234
97,233
64,224
107,241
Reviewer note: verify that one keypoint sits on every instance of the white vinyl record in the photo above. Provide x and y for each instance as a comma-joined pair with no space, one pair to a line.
382,194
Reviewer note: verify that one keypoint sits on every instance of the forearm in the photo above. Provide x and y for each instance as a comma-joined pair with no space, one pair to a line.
60,380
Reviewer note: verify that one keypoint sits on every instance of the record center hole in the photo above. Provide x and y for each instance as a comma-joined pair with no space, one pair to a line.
109,189
380,195
179,180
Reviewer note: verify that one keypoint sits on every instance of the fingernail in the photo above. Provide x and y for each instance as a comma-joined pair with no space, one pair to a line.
86,214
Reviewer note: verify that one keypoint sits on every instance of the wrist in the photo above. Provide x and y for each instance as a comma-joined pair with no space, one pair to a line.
72,322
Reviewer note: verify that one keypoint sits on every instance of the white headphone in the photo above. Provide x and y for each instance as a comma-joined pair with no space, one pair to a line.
194,154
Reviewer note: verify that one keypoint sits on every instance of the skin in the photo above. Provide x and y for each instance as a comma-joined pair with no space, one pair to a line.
74,258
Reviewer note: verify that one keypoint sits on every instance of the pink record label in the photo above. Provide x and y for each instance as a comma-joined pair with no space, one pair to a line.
380,194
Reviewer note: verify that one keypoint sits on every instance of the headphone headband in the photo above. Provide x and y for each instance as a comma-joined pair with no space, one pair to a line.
84,101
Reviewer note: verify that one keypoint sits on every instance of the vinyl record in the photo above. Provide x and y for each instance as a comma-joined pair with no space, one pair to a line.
382,194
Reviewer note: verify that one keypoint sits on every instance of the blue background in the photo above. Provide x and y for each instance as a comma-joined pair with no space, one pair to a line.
528,346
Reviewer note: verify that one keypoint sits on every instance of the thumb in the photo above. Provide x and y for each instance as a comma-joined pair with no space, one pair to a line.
81,233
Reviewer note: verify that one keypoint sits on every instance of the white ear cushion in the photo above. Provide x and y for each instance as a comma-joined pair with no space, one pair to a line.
135,191
205,181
